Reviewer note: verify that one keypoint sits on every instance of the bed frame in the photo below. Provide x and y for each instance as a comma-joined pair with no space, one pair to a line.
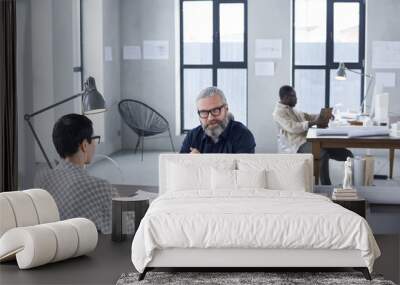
246,259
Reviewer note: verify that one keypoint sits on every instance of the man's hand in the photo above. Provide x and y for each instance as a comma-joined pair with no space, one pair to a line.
320,122
194,150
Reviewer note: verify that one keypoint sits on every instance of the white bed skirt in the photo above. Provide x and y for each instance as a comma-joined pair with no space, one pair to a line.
189,257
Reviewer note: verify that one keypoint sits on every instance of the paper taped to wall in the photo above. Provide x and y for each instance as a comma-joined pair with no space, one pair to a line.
155,49
107,53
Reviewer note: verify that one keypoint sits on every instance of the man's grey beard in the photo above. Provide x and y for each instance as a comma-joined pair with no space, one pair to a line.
218,130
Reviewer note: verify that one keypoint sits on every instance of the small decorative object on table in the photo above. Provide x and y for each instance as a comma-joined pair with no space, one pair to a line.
348,174
347,196
347,192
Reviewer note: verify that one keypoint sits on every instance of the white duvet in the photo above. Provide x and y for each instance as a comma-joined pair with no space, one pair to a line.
250,219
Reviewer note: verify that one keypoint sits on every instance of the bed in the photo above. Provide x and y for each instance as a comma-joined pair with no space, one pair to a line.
246,211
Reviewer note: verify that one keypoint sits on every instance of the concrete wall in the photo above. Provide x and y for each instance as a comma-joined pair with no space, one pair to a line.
51,67
383,24
111,76
150,81
100,30
42,73
62,56
267,19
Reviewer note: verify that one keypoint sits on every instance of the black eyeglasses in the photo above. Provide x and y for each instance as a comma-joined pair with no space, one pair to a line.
96,138
215,112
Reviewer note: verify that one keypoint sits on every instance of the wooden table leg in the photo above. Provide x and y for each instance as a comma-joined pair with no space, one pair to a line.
316,149
391,161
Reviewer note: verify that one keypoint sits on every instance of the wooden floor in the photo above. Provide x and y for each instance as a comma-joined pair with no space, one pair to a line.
111,259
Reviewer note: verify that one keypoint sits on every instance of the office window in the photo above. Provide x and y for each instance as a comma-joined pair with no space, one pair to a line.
77,52
325,33
213,41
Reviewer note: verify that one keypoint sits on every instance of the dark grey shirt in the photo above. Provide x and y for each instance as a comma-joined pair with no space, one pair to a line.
77,194
236,138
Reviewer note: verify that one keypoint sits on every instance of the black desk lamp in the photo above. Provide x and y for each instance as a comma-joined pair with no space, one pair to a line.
92,102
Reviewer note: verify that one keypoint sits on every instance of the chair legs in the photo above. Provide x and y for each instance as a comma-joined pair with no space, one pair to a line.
137,144
140,141
142,146
170,138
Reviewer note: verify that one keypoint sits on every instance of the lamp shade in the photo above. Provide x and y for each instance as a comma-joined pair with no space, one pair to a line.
341,72
93,102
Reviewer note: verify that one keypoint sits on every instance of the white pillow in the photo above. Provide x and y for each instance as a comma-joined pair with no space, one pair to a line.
225,179
282,174
251,178
193,176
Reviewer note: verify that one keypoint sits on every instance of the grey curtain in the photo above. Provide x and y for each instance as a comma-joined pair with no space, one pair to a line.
8,99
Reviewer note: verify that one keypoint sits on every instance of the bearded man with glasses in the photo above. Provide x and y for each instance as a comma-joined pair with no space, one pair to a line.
218,131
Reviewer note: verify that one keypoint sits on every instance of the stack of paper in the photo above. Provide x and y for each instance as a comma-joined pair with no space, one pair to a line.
395,130
394,133
344,194
352,132
369,132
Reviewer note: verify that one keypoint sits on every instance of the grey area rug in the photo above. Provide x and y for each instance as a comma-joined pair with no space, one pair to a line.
228,278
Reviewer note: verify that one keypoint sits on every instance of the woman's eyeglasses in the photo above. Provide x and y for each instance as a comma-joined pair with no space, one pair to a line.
215,112
96,139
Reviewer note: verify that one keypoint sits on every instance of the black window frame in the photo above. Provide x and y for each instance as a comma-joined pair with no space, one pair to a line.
216,62
79,68
329,57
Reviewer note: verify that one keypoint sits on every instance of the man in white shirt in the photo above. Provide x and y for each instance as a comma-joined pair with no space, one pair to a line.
293,126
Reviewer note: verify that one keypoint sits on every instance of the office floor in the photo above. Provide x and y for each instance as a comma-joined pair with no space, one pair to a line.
111,259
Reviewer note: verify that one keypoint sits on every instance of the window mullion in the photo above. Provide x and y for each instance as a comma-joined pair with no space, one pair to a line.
361,46
245,33
329,50
182,95
216,45
293,42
